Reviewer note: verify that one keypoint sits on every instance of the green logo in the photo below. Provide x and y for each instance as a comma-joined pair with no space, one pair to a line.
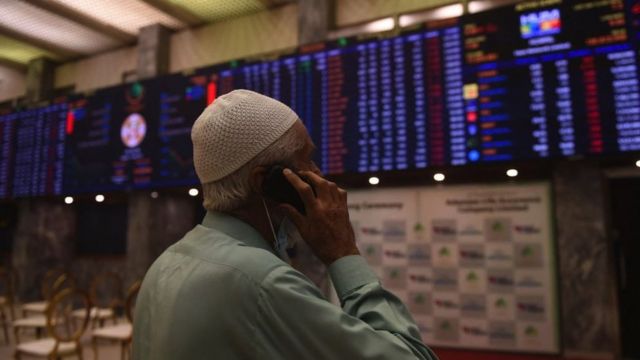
445,252
418,227
527,251
137,90
497,226
472,277
419,299
394,273
370,250
501,303
531,331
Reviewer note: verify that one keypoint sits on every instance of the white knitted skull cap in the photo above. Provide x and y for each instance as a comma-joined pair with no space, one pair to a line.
234,129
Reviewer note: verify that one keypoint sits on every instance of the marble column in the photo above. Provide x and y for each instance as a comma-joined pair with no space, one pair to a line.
40,76
587,281
153,51
44,239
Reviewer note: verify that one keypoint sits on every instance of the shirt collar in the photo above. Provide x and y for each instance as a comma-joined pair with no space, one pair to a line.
236,229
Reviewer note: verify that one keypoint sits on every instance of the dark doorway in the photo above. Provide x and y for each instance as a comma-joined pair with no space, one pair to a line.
625,222
101,228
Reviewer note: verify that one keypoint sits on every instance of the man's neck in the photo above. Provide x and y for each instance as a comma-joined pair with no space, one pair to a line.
254,214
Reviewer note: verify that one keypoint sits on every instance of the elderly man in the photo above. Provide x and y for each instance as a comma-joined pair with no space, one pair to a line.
224,292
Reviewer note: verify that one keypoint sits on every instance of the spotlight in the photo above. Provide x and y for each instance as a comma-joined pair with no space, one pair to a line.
512,173
68,200
99,198
154,194
193,192
374,180
638,163
438,177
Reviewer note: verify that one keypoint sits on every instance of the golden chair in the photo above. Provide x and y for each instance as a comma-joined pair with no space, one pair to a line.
48,281
8,283
105,293
39,322
63,327
121,333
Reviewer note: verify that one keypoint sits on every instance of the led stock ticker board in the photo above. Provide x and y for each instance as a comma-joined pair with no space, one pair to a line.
539,79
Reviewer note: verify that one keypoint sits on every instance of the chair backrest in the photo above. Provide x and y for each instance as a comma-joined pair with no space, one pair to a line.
105,290
130,304
48,281
62,325
63,282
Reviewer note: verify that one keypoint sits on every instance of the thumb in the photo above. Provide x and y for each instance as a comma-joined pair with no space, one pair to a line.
293,214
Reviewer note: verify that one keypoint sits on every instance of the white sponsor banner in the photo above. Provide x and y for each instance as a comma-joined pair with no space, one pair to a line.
474,264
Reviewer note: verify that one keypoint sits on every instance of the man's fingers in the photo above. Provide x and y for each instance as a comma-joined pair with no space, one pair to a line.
324,188
304,190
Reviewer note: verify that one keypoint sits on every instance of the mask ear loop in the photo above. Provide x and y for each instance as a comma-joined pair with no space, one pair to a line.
273,231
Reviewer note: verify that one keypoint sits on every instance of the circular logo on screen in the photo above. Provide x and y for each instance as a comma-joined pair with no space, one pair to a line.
133,130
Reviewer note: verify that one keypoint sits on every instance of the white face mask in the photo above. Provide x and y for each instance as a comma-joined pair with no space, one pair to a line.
287,237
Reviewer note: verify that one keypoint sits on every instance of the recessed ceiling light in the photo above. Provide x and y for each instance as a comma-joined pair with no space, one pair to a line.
99,198
68,200
438,177
638,163
154,194
374,180
193,192
512,173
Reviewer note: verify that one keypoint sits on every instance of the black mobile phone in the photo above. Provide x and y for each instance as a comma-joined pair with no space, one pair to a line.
276,187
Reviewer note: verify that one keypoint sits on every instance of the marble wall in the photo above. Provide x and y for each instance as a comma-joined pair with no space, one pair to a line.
587,281
45,238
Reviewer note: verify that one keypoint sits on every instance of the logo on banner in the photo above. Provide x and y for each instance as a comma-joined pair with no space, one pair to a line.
474,331
472,306
531,308
394,254
470,231
443,230
531,331
133,130
419,278
370,250
502,333
501,303
501,280
418,254
527,229
370,231
472,277
500,256
444,252
446,304
471,255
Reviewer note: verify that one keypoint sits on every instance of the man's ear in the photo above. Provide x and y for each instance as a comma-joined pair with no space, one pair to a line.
256,178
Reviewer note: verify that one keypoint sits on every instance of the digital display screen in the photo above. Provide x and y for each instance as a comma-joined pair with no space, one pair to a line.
35,139
7,134
112,139
561,89
536,80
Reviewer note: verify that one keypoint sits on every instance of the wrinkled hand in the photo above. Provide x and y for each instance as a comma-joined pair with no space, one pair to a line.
326,226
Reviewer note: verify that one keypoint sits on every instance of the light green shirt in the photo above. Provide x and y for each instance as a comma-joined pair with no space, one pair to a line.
222,293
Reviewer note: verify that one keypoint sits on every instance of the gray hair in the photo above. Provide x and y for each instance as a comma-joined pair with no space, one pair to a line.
232,191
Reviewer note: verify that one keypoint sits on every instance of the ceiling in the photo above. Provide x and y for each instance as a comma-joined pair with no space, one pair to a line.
69,29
